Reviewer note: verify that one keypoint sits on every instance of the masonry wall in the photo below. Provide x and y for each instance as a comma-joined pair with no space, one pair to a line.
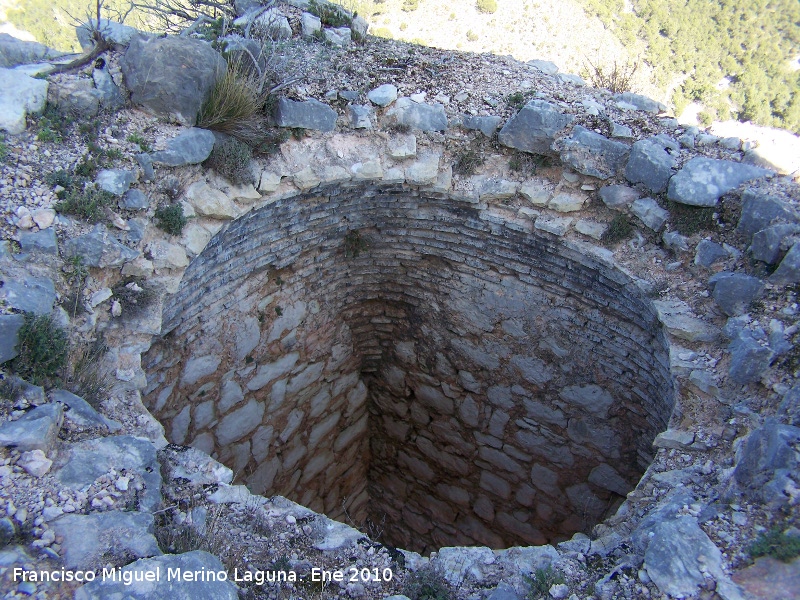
427,364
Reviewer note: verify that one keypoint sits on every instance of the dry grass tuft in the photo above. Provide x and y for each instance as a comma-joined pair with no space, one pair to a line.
616,78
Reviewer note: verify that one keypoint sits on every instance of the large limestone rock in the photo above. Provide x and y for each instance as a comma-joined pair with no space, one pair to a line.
117,34
140,589
171,77
111,537
20,95
35,430
31,294
702,180
427,117
187,148
533,129
99,249
760,210
593,154
15,52
650,164
311,114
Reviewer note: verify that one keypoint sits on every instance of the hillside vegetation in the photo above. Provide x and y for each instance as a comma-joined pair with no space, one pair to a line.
735,55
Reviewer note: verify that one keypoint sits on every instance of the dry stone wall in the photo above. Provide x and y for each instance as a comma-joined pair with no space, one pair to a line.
435,366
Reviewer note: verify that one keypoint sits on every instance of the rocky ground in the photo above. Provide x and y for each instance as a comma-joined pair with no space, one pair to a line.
704,497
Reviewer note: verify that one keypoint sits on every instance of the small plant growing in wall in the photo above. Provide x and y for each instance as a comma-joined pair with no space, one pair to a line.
354,244
42,349
619,229
541,580
171,219
428,583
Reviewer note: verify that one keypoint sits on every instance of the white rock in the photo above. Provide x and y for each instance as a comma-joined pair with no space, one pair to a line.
116,309
211,202
100,296
567,201
20,95
35,463
43,217
269,182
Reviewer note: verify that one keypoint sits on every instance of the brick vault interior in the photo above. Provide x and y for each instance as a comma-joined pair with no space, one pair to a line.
416,364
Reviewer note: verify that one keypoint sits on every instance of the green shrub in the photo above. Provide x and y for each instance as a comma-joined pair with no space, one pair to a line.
487,6
232,159
85,204
52,126
689,220
87,378
62,178
170,219
354,244
776,544
3,151
410,5
472,36
467,160
134,295
42,349
330,15
541,581
619,229
87,166
428,583
138,139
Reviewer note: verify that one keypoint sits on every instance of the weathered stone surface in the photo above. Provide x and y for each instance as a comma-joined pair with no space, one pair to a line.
677,317
83,462
769,579
591,398
650,213
423,171
606,477
81,414
195,561
274,24
555,225
39,241
678,556
239,423
176,88
533,128
115,33
760,210
749,359
309,24
113,537
211,202
189,147
615,196
788,272
115,181
337,36
134,200
567,201
383,95
486,125
641,102
15,52
768,463
426,117
734,292
9,336
708,253
311,114
593,154
650,164
674,438
702,180
769,242
20,95
403,146
360,116
545,66
35,430
99,249
36,295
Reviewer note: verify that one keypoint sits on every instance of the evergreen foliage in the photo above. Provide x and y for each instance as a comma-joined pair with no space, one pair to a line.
736,53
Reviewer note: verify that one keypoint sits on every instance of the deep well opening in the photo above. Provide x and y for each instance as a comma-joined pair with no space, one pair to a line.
408,362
